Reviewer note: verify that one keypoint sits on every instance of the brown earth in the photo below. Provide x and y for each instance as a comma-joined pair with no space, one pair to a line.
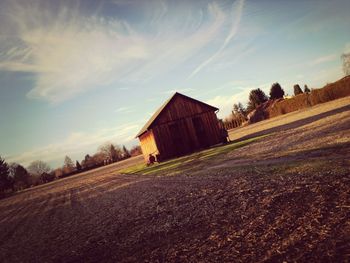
283,198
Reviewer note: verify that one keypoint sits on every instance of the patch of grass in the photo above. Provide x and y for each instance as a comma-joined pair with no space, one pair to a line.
189,162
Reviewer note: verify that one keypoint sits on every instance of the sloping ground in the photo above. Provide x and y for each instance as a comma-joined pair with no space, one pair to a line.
273,108
291,120
284,197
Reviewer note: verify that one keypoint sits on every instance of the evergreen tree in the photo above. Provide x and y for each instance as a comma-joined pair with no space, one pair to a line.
276,91
5,180
306,89
77,165
126,153
113,153
256,97
297,89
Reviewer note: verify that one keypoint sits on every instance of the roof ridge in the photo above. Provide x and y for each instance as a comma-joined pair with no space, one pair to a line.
162,107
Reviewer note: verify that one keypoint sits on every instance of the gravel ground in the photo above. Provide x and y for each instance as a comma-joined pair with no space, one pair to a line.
284,198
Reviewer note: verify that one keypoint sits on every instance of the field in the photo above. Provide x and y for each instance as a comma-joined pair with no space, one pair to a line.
279,192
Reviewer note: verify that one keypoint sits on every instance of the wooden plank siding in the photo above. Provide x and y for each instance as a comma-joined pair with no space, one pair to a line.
183,126
186,140
148,145
179,108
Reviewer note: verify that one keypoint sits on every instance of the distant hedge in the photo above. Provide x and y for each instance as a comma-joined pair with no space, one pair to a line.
336,90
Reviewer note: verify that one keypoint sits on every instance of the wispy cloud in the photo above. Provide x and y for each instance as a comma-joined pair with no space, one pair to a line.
180,90
237,13
225,102
78,143
124,110
70,52
323,59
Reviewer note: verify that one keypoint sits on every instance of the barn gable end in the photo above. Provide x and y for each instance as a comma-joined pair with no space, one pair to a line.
180,126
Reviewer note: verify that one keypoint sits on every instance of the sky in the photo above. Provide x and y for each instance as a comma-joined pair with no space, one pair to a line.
77,74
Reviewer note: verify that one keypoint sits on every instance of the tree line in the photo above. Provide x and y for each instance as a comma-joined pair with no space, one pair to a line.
15,177
257,97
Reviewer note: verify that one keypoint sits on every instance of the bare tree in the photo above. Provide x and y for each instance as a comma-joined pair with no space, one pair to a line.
110,151
97,159
38,167
239,110
68,166
136,150
88,162
346,63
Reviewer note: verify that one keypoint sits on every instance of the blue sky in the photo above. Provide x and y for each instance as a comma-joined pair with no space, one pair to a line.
76,74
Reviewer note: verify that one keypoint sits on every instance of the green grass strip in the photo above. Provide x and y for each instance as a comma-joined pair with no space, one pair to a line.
188,161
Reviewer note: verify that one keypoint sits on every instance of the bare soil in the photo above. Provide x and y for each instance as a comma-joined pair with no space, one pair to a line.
283,198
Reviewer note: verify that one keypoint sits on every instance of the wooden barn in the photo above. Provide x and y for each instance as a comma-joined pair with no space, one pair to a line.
180,126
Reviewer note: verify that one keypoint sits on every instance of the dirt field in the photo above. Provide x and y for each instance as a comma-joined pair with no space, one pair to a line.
284,197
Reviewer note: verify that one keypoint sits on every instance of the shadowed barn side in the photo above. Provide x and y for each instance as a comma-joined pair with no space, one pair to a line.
180,126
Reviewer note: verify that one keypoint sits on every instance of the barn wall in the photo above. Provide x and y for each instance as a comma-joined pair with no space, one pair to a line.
185,138
179,108
148,144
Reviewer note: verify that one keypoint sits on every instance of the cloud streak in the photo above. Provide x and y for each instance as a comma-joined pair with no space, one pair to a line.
237,18
323,59
78,143
70,52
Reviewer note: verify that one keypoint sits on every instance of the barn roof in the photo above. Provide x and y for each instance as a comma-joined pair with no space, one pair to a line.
166,103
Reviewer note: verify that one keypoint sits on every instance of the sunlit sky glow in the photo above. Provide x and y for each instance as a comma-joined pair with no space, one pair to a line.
76,74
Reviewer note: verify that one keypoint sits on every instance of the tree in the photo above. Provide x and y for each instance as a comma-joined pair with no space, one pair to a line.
68,166
20,175
136,150
297,89
113,154
239,110
6,181
276,91
97,159
78,166
235,109
346,63
110,151
58,172
38,167
47,177
306,89
88,162
256,97
126,153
